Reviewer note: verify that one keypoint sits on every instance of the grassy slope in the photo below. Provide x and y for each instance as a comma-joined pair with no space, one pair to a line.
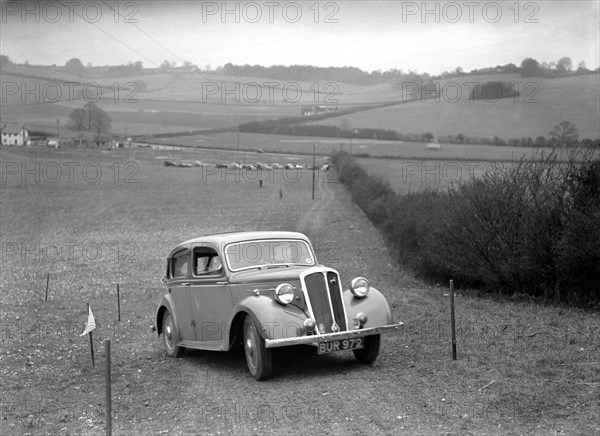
549,102
522,368
185,102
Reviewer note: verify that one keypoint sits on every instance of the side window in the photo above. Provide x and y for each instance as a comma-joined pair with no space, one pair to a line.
206,262
179,264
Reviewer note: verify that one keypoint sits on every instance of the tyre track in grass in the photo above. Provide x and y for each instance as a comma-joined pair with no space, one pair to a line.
311,221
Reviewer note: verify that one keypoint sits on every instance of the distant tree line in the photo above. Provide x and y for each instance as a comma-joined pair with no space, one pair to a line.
529,68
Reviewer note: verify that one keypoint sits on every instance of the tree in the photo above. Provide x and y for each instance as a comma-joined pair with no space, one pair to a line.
166,66
581,67
4,61
428,137
99,120
75,67
78,119
530,67
564,132
564,64
91,117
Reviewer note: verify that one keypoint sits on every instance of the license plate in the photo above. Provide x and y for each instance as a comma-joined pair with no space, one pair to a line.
341,345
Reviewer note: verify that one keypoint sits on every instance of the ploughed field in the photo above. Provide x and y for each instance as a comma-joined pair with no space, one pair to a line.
92,219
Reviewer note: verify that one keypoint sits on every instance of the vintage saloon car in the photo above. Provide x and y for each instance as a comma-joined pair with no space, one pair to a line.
265,290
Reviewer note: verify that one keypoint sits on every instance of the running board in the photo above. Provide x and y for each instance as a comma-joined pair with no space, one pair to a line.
206,345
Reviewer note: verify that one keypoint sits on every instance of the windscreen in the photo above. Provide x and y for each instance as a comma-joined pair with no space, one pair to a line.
252,254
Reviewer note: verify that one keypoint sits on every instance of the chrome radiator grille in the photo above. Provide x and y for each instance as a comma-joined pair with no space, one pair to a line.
326,301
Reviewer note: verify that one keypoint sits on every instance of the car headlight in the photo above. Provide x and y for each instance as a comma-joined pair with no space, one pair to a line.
359,287
284,293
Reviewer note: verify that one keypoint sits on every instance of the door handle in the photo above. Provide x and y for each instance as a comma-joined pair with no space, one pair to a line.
185,284
221,283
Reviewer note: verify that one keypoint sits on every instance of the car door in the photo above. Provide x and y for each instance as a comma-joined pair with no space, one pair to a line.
212,302
179,288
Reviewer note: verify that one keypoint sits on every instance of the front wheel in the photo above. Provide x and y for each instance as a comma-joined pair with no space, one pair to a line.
369,353
171,336
258,357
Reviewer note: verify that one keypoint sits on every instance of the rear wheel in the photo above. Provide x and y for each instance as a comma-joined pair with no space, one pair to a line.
369,353
171,337
258,357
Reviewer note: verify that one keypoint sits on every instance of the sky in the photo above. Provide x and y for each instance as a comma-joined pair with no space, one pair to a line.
432,37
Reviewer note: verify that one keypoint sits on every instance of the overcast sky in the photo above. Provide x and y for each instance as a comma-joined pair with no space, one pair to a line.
368,35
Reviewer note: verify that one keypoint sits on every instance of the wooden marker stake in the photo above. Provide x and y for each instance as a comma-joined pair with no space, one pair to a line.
452,320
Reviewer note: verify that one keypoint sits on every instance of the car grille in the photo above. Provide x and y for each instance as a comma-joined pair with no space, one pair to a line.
321,289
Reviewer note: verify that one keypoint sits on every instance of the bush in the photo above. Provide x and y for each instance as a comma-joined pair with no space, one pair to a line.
529,227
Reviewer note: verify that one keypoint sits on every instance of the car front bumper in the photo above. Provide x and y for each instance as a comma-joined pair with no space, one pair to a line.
317,339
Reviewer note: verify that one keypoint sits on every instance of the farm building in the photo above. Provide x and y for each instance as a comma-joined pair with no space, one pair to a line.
314,110
90,140
433,146
14,135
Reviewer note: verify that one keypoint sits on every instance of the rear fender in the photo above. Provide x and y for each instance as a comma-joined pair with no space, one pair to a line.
166,303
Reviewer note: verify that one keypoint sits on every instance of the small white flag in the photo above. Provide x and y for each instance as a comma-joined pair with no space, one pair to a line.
91,322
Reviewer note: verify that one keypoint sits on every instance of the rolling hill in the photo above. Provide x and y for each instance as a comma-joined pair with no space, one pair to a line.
542,104
155,103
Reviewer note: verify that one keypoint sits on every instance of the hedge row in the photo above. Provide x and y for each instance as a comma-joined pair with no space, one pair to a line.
531,227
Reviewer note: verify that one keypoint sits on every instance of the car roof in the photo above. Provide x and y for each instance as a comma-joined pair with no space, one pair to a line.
222,239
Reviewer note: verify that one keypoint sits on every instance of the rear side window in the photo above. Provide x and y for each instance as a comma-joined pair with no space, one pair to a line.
179,264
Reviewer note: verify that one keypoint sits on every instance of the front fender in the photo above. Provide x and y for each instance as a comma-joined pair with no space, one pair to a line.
273,320
166,303
374,305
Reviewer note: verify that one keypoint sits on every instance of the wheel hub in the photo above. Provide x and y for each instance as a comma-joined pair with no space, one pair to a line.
250,347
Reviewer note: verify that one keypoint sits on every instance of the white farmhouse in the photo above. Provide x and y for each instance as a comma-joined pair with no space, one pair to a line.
14,135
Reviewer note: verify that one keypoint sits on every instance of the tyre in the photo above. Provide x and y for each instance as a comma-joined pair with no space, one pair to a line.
171,336
369,353
258,357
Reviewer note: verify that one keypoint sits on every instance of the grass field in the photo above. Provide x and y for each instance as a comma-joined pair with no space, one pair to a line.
187,102
543,103
522,367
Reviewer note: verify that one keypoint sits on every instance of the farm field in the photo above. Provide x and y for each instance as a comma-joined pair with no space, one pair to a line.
168,102
426,171
375,148
184,102
413,175
522,367
543,103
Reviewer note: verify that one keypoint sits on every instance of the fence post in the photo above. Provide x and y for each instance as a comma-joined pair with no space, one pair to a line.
452,320
119,302
108,389
47,286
